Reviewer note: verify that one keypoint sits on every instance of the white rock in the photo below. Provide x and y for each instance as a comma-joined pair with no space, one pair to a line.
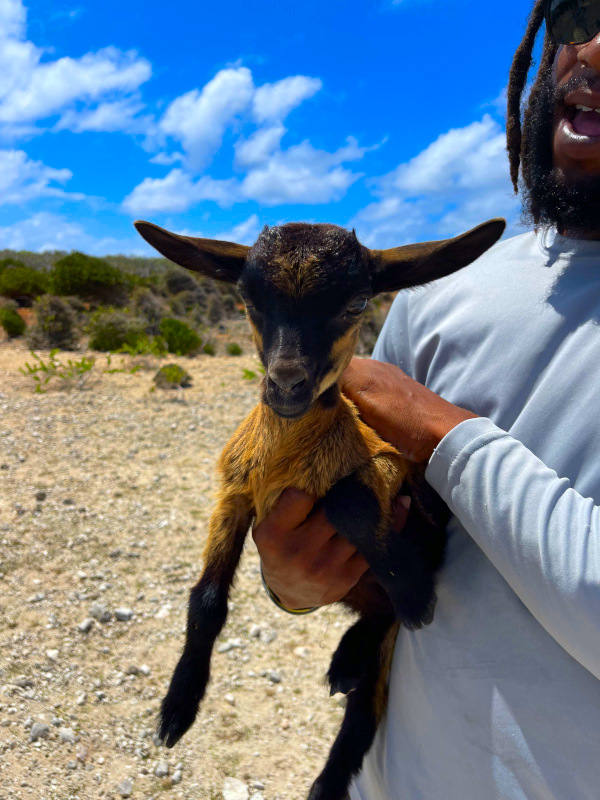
123,614
161,770
68,735
125,788
301,652
86,625
268,636
39,730
233,789
229,698
176,776
52,654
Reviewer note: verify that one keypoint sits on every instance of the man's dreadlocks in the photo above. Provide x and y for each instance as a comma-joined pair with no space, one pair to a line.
516,137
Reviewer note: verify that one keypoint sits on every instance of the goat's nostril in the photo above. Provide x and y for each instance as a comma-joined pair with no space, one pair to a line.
288,377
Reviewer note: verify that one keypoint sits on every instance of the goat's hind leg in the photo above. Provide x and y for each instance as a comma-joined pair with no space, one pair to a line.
363,709
207,612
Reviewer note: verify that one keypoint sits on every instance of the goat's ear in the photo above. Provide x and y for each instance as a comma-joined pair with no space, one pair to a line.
223,261
415,264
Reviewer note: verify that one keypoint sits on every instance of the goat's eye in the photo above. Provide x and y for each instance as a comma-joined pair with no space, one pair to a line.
357,306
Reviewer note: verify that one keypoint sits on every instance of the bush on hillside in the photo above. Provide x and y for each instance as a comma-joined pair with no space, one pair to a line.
55,325
234,349
178,280
146,305
11,322
214,312
91,278
10,262
22,283
111,330
180,338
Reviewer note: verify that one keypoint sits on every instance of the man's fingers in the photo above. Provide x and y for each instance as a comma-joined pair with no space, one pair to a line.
290,511
400,511
354,569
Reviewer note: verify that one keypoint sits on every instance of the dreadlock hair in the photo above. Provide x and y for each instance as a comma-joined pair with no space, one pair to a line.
516,136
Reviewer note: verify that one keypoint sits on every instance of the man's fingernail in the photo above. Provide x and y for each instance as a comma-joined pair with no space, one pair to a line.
405,501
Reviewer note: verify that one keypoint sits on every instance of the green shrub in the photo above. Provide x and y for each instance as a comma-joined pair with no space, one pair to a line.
172,376
73,373
55,325
180,338
22,283
214,312
234,349
11,322
112,330
208,349
91,278
177,280
146,346
10,262
187,301
146,305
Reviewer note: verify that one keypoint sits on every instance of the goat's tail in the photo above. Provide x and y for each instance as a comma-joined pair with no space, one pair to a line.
207,612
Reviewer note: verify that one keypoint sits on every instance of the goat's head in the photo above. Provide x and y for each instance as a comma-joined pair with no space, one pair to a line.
306,288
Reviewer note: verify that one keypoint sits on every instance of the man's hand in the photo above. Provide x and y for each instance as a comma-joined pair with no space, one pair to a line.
305,562
403,412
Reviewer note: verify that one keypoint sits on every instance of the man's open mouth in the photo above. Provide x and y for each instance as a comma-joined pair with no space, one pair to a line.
584,120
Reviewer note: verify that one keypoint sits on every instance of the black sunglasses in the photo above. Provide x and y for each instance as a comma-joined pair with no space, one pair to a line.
572,21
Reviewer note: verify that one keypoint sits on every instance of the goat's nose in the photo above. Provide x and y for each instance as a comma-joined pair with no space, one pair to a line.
287,376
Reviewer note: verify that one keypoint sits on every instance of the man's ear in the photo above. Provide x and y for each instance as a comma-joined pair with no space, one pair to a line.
223,261
415,264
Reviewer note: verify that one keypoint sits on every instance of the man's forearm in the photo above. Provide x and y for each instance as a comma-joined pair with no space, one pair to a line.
541,535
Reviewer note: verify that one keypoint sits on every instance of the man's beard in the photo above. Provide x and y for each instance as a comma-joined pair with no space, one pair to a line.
572,206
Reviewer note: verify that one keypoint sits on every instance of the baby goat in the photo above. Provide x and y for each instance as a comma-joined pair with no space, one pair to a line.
305,288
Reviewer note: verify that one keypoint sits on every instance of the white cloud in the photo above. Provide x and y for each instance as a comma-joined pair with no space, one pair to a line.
106,118
166,159
458,181
22,179
177,192
274,101
199,119
45,231
32,89
302,174
245,232
259,147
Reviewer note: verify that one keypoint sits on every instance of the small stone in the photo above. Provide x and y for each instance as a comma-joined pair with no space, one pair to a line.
40,496
176,777
28,723
24,683
161,770
82,754
145,670
229,698
100,612
39,730
274,676
285,724
86,625
52,654
258,785
268,636
81,699
71,765
234,789
254,631
132,670
56,722
230,644
68,735
125,788
68,501
301,652
257,796
123,614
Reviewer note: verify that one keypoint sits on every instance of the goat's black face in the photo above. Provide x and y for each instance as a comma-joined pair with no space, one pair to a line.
306,288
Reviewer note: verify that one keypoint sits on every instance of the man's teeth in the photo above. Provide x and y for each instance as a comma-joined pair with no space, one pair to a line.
587,108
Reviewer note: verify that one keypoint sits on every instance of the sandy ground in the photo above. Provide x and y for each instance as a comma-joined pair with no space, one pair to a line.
124,478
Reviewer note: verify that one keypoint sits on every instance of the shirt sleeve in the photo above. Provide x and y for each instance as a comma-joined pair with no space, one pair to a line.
541,535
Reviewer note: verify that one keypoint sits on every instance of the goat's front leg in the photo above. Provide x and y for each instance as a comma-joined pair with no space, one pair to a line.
207,612
359,508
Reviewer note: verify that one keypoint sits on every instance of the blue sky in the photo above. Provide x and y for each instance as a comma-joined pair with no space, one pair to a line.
217,118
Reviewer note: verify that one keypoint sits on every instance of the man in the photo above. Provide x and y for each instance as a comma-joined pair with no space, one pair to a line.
500,696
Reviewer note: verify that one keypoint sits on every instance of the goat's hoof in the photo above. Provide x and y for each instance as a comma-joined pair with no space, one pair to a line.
343,685
175,719
323,790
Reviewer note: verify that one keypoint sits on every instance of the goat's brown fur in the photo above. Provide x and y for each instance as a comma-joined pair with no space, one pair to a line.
305,434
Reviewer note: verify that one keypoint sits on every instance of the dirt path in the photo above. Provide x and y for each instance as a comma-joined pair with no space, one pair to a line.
123,478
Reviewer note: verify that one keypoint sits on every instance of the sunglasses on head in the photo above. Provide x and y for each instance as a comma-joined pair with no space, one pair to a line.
572,21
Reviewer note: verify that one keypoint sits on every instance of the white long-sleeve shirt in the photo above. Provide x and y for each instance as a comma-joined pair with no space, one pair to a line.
499,698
